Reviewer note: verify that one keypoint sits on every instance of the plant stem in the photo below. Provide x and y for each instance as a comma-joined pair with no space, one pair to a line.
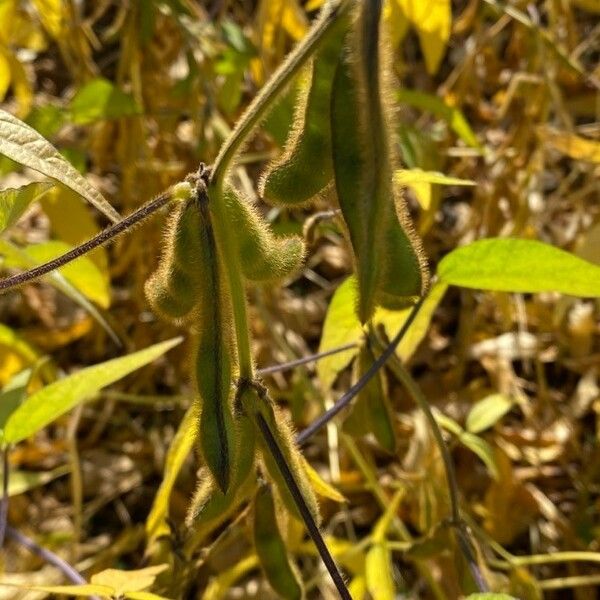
415,391
272,89
67,570
321,421
313,530
304,360
103,237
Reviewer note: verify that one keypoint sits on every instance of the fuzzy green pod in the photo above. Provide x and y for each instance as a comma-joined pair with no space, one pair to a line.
173,289
371,411
214,362
255,401
274,558
210,506
304,169
263,256
387,252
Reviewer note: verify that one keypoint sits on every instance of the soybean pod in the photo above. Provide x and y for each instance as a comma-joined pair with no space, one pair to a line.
262,255
304,169
364,162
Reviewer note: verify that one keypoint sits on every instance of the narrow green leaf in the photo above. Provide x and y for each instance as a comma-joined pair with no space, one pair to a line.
412,176
26,146
14,202
514,265
487,412
20,482
52,401
341,327
483,450
452,115
100,99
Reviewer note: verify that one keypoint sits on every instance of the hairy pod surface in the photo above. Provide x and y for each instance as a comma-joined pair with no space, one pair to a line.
253,404
174,288
214,360
371,411
263,256
387,252
304,169
210,506
274,558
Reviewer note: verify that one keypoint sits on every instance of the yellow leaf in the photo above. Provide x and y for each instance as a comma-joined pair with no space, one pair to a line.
294,20
380,581
51,15
572,145
432,19
178,451
21,86
219,586
320,486
78,227
71,590
122,582
82,273
592,6
4,73
15,354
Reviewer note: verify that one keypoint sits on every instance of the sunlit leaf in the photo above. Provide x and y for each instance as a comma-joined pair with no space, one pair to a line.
100,99
515,265
487,412
380,581
20,482
14,202
319,485
72,590
179,450
572,145
52,401
452,115
82,273
26,146
128,581
432,19
51,15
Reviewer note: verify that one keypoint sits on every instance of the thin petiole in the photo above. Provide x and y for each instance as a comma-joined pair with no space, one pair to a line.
102,238
321,421
309,521
304,360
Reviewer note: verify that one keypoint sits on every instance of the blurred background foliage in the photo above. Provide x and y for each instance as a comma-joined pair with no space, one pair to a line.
135,94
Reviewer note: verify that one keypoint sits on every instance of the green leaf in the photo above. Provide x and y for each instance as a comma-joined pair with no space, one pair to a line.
52,401
100,99
452,115
514,265
12,395
487,412
341,327
20,482
474,443
14,202
178,451
26,146
412,176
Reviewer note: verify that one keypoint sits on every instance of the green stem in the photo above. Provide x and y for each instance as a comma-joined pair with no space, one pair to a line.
414,390
545,559
232,268
272,89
